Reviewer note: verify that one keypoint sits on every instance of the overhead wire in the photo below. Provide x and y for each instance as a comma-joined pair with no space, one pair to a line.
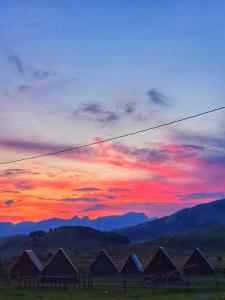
114,138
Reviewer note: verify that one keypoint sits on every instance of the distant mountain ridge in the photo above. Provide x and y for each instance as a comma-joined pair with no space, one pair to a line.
183,221
106,223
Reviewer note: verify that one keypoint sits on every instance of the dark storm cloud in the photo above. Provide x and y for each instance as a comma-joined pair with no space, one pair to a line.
23,186
9,202
118,190
93,108
30,146
93,208
17,172
142,154
88,189
37,79
81,199
17,62
13,172
43,148
109,117
157,97
111,197
98,112
213,146
41,74
23,69
214,140
197,196
129,108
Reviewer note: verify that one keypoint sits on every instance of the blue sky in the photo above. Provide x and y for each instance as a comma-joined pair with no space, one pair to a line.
120,48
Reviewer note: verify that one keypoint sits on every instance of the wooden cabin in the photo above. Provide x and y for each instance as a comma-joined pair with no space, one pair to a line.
197,264
161,266
27,264
103,265
132,266
59,267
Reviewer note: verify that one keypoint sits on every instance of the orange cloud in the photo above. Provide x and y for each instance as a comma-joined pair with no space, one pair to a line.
155,180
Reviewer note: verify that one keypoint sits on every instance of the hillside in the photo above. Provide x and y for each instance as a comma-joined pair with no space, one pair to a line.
74,240
106,223
210,240
183,221
82,244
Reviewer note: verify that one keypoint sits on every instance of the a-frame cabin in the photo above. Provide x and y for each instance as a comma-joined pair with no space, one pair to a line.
197,264
60,266
103,265
27,264
161,266
132,266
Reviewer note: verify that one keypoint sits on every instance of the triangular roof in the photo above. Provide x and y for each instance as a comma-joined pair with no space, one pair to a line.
27,264
60,265
161,265
34,259
103,264
3,274
132,265
198,264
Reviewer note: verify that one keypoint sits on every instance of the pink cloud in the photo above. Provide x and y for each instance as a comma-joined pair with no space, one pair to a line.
167,174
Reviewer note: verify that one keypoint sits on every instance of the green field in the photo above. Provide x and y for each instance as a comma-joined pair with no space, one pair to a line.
198,288
31,294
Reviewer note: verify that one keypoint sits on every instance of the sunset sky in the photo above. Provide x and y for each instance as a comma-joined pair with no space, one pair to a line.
76,71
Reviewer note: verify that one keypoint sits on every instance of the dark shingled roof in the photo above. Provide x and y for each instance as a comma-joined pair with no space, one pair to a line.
162,266
35,259
197,264
132,265
103,265
60,265
27,264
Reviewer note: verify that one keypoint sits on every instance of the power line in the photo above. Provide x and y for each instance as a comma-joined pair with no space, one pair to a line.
114,138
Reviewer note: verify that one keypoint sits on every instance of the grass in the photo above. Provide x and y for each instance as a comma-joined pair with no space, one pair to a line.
134,294
199,289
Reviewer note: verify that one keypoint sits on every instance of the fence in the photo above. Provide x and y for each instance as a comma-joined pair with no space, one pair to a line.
122,283
56,282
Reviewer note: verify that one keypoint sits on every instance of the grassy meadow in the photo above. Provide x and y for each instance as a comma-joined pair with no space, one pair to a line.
134,294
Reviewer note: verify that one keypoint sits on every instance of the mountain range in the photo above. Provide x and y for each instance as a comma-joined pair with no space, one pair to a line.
183,221
199,226
106,223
